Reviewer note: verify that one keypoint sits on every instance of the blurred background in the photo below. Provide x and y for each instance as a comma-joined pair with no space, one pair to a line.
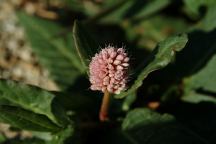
137,25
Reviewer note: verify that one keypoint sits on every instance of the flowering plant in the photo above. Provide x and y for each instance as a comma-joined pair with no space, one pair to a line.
125,72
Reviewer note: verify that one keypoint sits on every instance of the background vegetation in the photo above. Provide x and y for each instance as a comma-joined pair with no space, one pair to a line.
171,92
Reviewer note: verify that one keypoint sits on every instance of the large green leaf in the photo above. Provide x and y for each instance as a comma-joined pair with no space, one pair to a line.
161,57
27,120
28,97
85,45
201,86
54,52
145,126
197,64
206,78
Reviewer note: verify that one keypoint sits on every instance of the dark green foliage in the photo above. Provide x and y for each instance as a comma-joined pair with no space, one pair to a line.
146,126
171,94
85,45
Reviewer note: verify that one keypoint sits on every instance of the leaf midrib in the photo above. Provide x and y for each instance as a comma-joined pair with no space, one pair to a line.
36,110
26,118
65,53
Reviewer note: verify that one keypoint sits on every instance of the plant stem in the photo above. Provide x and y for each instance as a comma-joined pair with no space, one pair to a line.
103,116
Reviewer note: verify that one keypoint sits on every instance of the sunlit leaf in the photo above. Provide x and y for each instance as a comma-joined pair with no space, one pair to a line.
27,120
161,57
28,97
54,52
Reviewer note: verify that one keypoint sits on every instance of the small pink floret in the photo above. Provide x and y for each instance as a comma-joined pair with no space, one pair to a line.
109,70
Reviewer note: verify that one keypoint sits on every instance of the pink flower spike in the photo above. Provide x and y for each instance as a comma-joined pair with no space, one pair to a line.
108,69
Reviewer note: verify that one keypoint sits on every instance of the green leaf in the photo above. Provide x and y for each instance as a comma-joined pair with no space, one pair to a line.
79,100
147,33
131,9
85,45
109,3
61,136
205,78
161,57
209,21
28,97
74,5
199,84
111,11
128,101
194,5
150,8
46,136
2,138
55,138
27,120
145,126
54,52
194,97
